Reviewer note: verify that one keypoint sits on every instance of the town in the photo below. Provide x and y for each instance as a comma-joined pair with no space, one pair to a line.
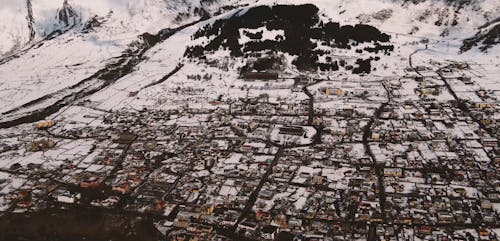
411,157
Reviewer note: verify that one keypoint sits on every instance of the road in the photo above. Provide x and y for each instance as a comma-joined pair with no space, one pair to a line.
410,61
311,105
253,197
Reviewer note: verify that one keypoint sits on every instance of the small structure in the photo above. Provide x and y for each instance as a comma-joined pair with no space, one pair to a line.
123,138
466,80
393,172
43,125
333,91
292,130
40,145
489,142
260,76
482,105
268,232
66,196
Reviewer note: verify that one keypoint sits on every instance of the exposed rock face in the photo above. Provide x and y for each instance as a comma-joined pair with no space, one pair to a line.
67,16
485,38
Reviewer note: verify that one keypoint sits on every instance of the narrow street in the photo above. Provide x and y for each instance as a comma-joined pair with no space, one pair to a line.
461,104
253,197
311,105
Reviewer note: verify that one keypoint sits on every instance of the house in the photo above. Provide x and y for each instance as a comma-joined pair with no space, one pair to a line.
489,142
266,194
419,115
230,218
486,204
421,68
419,78
207,209
249,228
482,105
483,233
90,183
445,217
488,218
121,188
67,197
425,230
466,80
268,232
295,222
393,172
346,112
333,91
430,91
486,120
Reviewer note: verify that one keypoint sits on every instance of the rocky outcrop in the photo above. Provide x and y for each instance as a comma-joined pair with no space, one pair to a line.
67,16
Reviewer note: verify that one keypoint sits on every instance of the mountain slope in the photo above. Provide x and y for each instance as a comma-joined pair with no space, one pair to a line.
90,36
54,63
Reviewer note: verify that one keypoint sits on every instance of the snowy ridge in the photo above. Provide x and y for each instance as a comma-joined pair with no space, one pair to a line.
443,17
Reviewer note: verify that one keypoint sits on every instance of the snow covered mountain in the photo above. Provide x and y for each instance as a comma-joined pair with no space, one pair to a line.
22,21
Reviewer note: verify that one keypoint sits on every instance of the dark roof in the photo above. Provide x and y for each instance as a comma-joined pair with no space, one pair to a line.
292,130
285,236
260,75
269,229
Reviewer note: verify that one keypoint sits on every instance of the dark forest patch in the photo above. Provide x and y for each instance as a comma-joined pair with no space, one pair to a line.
303,32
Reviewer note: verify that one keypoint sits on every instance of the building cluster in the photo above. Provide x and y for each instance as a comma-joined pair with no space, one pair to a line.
412,157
